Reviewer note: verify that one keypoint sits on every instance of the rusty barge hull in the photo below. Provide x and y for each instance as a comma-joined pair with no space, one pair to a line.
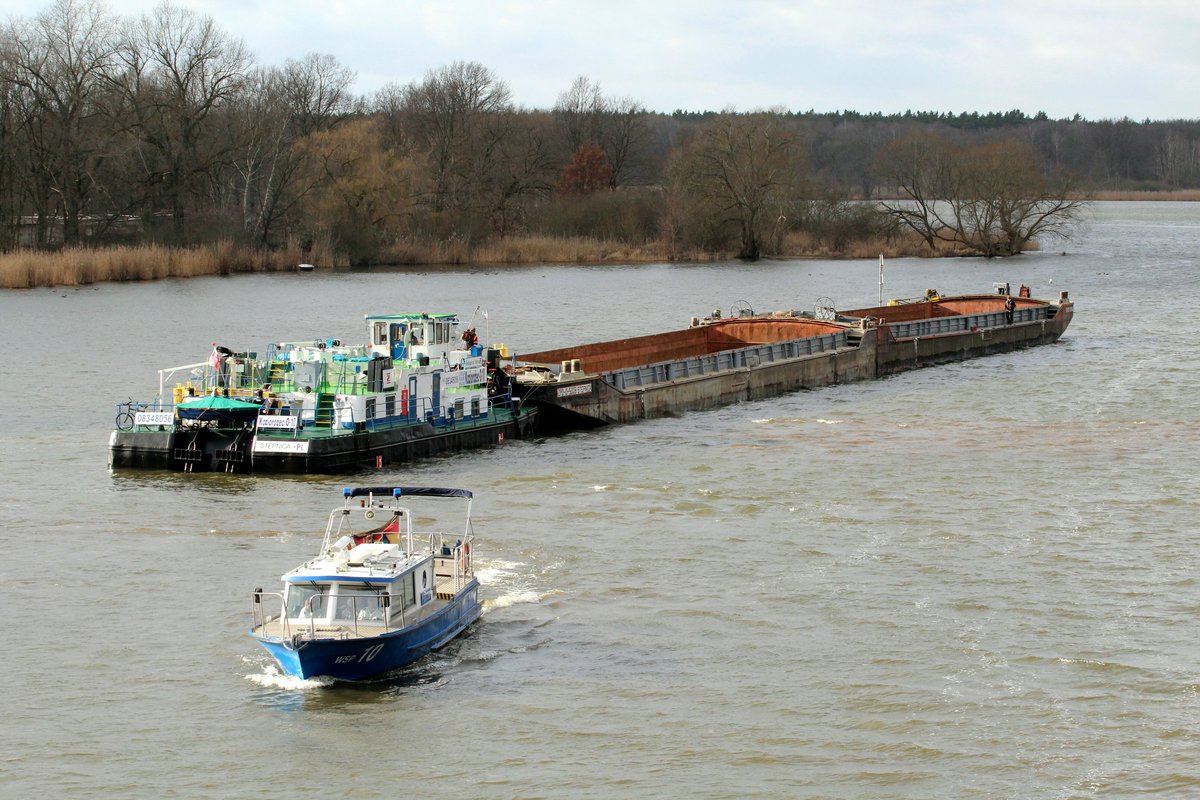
924,334
702,367
730,360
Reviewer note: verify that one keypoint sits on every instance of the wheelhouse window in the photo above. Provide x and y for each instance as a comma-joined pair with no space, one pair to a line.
306,601
409,583
441,332
360,603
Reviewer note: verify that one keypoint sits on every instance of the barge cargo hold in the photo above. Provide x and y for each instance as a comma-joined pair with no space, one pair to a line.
718,361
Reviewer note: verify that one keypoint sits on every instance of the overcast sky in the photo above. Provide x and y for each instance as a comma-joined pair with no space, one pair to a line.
1099,58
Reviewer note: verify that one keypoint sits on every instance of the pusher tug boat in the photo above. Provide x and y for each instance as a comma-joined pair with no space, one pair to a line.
414,389
378,595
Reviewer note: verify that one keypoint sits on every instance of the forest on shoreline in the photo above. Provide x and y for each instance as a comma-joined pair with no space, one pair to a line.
141,148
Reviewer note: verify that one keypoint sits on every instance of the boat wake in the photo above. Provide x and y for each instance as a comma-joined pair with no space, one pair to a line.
501,576
272,678
510,599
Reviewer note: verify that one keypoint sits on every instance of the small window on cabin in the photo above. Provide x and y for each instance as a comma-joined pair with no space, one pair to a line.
307,601
359,603
381,333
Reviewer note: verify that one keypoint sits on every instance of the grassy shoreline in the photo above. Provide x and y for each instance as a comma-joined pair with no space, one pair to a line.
1187,195
84,266
25,269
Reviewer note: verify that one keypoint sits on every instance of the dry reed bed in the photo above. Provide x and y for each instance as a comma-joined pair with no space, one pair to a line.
79,266
1191,195
25,269
76,267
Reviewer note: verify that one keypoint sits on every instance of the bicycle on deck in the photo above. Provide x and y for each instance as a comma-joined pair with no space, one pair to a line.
127,414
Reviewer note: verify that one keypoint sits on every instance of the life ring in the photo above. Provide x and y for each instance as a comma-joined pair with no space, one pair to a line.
465,556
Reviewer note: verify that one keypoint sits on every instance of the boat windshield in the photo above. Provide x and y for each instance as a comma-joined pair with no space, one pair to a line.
359,603
298,596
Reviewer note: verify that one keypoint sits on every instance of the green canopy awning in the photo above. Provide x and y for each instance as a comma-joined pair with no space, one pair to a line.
215,408
219,402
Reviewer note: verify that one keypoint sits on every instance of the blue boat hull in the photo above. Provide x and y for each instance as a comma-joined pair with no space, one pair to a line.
357,659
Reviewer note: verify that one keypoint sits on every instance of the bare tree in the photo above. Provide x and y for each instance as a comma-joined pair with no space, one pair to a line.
920,166
10,146
1177,158
445,112
513,165
485,161
742,173
280,107
624,137
261,118
57,65
616,125
389,104
1010,203
987,199
179,71
316,92
580,111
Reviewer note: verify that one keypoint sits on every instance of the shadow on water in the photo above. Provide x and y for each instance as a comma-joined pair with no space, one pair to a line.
293,694
476,649
216,482
281,693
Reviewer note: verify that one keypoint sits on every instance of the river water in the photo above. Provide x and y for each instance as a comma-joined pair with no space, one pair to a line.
974,580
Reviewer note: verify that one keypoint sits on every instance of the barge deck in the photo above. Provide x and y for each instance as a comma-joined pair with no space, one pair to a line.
719,361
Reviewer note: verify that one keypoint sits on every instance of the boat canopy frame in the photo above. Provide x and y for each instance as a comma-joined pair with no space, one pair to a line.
378,497
401,491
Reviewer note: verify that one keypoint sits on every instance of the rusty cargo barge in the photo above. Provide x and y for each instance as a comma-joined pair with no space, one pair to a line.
722,360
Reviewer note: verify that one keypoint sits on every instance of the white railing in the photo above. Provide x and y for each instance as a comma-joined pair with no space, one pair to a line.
311,620
168,373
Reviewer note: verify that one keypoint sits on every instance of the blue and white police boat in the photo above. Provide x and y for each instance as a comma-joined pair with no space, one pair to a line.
378,595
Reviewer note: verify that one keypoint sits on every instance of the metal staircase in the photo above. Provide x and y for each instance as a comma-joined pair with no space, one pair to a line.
324,413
